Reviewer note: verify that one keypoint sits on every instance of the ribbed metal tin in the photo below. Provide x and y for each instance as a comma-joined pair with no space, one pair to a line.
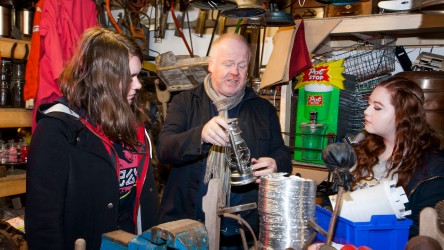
285,205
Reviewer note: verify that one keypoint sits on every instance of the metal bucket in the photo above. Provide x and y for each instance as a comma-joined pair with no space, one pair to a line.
432,83
285,204
5,21
24,21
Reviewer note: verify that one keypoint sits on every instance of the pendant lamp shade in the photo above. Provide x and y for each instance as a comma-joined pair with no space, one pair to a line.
213,4
278,18
245,9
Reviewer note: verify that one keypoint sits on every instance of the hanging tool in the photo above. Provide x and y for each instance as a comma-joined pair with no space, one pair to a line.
135,8
156,21
214,32
132,18
111,18
220,29
181,17
254,36
200,23
179,28
263,47
162,6
163,96
101,13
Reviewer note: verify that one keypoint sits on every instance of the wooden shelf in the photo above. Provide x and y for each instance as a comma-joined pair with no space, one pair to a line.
410,29
323,34
392,23
12,185
15,117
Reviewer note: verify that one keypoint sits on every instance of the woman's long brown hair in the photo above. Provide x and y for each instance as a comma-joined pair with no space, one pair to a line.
97,80
413,134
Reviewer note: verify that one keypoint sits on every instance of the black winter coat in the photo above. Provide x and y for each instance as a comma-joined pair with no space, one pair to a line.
426,188
72,186
180,144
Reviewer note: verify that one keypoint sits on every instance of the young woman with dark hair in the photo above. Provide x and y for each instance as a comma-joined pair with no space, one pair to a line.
89,166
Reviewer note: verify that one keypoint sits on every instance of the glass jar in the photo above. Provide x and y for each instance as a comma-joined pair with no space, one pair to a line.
17,93
12,152
4,153
24,149
5,94
5,83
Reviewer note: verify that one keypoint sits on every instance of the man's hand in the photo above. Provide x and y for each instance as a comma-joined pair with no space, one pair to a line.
214,132
263,166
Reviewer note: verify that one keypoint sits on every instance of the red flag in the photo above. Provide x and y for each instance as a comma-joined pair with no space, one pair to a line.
300,58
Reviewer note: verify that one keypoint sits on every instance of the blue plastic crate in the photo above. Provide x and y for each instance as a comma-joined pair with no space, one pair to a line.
382,232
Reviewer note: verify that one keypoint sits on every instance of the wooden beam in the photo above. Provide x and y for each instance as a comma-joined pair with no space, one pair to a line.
393,23
15,117
6,45
12,185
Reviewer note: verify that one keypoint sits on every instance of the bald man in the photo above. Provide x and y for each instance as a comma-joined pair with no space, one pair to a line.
193,139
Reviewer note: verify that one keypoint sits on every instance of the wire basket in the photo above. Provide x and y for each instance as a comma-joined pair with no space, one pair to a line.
366,59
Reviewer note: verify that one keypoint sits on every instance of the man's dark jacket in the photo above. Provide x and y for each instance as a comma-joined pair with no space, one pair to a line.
180,144
70,170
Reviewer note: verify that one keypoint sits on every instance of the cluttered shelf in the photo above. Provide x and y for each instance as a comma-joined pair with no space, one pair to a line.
15,117
12,185
11,118
388,22
410,29
324,35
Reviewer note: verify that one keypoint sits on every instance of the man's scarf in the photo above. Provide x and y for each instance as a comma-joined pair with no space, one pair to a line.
216,163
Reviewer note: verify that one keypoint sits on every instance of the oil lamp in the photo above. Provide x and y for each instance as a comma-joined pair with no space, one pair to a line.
238,156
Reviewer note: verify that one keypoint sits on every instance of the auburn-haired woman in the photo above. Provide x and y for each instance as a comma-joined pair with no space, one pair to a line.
400,145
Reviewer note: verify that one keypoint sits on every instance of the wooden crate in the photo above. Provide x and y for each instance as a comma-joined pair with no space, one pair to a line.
310,9
181,72
353,9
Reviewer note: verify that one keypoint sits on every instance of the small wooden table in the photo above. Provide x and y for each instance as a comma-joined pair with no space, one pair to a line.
12,185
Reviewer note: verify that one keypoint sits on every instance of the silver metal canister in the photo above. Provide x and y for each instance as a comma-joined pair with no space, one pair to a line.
285,205
24,21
